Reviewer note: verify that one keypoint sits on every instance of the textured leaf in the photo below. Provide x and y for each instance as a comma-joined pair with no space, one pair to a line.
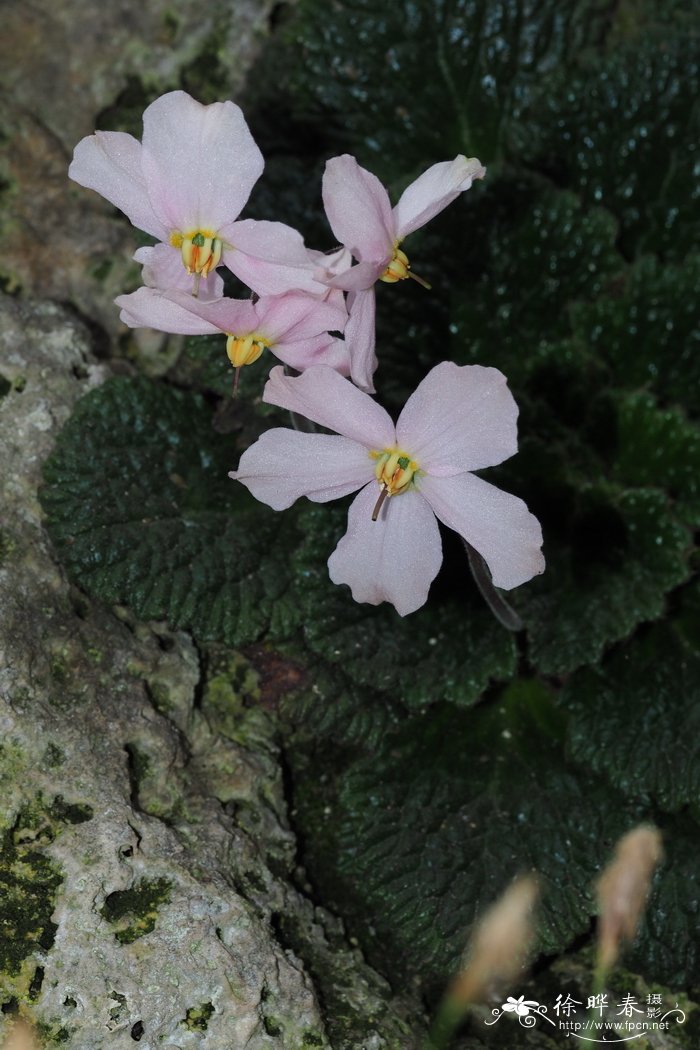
620,553
636,719
449,650
141,510
659,448
415,839
427,80
648,331
622,133
534,264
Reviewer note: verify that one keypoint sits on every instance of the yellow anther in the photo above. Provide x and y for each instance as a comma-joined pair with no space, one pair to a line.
200,249
394,471
398,269
244,351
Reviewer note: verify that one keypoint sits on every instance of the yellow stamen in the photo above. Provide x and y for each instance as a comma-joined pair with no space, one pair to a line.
399,269
395,471
201,250
244,350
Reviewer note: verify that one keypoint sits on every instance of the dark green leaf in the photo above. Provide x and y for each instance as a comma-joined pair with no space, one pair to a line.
659,448
619,552
636,719
623,134
423,81
449,650
141,510
534,265
648,330
412,841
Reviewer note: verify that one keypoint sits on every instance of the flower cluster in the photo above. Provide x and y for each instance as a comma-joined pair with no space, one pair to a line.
186,184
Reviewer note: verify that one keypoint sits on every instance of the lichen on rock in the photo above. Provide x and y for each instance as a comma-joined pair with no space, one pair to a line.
147,861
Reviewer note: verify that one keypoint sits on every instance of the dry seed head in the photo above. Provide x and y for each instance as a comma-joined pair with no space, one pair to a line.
623,889
498,950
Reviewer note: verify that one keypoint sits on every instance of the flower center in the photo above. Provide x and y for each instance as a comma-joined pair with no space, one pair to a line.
200,249
399,269
395,471
244,350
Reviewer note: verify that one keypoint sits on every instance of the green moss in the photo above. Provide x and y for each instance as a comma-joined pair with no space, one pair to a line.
206,77
53,756
139,763
272,1026
7,542
197,1017
58,666
102,269
13,762
171,25
231,702
28,885
160,695
70,812
134,911
52,1033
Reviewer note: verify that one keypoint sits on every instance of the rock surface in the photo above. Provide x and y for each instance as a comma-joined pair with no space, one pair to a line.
147,865
148,885
121,841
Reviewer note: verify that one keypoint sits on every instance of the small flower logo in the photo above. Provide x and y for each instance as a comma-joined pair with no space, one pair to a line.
521,1006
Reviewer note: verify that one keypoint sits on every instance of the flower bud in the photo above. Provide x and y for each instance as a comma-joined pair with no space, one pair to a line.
622,891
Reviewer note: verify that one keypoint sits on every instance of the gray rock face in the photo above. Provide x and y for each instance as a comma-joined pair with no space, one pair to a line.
121,843
147,865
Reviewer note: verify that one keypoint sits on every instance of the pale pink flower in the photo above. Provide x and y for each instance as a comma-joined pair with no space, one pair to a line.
295,327
459,419
162,268
361,217
186,183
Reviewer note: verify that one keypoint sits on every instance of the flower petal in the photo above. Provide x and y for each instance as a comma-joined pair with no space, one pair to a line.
359,277
321,350
284,464
358,209
297,315
110,163
325,397
393,559
434,190
497,524
270,258
200,162
360,334
461,417
162,268
234,316
151,308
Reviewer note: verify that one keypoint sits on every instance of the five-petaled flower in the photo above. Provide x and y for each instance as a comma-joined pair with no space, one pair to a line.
459,419
361,217
520,1006
186,183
